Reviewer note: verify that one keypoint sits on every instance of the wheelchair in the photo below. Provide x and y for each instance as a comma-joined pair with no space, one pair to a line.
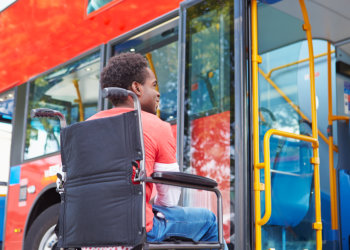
101,206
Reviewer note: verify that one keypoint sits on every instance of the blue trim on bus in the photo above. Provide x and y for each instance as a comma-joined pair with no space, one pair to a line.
2,217
15,173
270,1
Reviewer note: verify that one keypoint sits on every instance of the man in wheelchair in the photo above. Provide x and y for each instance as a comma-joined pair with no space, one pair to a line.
164,220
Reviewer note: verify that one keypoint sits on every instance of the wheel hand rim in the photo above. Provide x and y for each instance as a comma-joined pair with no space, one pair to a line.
48,240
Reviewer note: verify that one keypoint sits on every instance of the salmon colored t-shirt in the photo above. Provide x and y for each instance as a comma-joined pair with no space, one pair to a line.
160,148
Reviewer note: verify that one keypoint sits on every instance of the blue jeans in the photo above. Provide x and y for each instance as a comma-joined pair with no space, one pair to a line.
198,224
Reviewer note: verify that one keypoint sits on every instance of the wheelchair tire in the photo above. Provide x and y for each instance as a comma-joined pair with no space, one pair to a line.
41,234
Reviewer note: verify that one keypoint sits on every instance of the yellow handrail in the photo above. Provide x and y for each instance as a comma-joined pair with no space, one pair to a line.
332,174
151,65
79,100
266,165
255,60
296,62
294,106
317,225
340,117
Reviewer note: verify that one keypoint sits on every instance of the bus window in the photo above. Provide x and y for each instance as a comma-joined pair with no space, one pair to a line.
94,5
159,45
72,90
6,110
209,104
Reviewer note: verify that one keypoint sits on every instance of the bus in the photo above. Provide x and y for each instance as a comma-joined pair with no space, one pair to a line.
257,94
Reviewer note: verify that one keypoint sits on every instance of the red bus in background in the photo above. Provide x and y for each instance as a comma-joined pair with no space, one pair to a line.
51,55
56,52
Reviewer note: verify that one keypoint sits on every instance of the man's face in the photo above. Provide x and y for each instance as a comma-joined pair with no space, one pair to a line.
149,97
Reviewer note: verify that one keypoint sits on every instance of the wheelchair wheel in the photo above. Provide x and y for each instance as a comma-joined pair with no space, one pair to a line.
41,235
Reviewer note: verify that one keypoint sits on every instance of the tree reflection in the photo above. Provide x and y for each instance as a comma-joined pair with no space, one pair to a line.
166,64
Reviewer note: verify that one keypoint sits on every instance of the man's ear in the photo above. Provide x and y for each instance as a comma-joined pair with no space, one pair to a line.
136,87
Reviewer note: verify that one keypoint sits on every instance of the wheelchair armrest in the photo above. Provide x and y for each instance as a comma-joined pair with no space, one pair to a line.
184,178
191,181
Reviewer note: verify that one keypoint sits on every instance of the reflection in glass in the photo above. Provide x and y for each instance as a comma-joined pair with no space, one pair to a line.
160,47
209,93
72,90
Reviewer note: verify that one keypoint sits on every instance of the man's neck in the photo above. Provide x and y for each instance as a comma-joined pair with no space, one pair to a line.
124,106
129,103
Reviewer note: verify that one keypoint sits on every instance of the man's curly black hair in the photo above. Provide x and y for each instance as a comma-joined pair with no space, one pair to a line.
122,70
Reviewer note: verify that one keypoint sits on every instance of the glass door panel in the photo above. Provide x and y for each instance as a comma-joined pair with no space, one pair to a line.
209,104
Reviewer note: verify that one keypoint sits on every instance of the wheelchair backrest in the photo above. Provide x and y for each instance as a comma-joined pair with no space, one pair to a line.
100,205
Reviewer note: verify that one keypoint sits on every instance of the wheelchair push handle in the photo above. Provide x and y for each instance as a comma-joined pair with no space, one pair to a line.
49,113
115,92
121,94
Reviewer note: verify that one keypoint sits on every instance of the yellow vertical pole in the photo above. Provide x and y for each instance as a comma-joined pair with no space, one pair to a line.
332,173
79,100
317,225
151,65
255,60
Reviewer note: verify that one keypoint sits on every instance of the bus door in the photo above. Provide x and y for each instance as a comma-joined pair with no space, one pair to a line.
207,99
285,170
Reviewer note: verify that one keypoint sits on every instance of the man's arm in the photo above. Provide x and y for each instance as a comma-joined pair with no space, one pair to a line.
165,160
167,196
